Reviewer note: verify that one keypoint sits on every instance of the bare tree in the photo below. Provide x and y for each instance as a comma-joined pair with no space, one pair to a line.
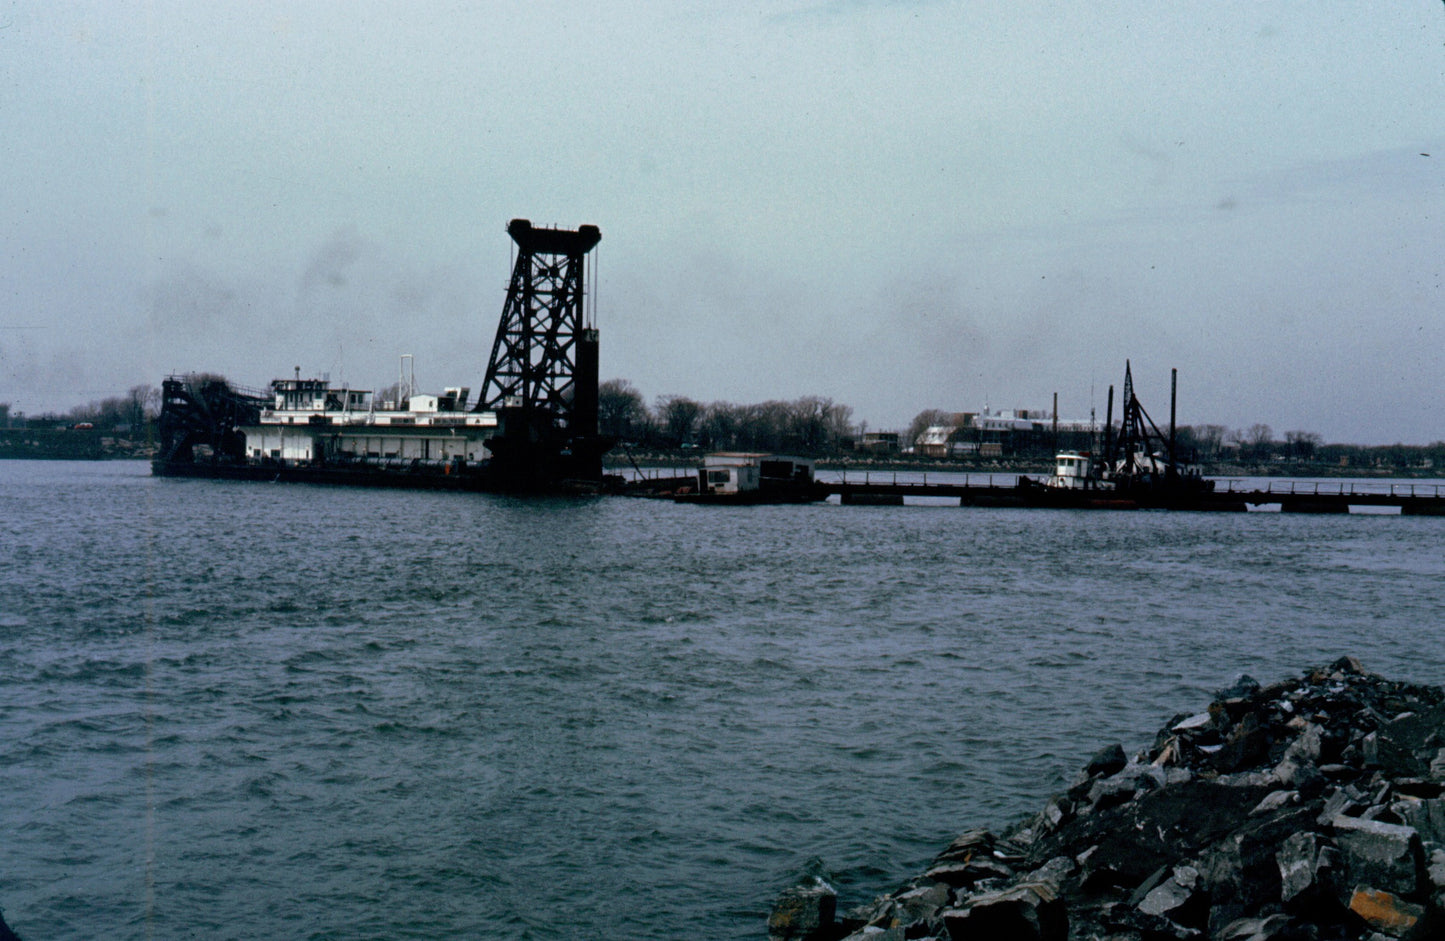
1254,443
773,423
719,426
808,425
839,422
678,414
142,403
1208,439
1302,444
620,410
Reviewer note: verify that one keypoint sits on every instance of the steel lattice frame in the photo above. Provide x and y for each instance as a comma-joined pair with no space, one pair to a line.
534,356
1137,431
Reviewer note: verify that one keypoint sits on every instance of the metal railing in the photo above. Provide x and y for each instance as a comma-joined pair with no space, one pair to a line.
890,478
1299,488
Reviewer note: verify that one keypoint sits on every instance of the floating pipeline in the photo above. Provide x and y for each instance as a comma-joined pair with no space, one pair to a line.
1307,810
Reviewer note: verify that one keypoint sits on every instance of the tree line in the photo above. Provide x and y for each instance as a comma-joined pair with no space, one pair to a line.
119,413
819,426
809,425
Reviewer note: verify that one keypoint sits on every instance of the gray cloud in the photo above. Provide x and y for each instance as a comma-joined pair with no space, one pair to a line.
898,205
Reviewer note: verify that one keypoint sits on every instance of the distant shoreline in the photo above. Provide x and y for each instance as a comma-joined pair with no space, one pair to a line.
89,446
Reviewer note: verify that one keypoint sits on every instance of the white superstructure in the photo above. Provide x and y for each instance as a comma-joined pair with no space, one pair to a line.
312,422
1075,470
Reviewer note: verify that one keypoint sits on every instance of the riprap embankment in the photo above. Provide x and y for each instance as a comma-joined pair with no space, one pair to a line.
1305,810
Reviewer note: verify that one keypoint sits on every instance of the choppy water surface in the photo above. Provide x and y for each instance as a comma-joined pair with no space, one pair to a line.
233,710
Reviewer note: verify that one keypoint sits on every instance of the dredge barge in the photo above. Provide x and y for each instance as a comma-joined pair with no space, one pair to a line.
1139,466
532,428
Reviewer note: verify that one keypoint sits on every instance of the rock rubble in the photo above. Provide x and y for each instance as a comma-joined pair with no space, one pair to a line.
1308,810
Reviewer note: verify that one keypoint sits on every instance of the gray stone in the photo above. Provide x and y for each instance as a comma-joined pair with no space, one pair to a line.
1161,827
964,874
1177,776
1426,816
804,912
875,913
1112,791
1143,889
1107,761
1029,911
1435,868
1348,665
1194,723
1172,897
1381,855
1417,788
967,845
1296,860
1381,813
1234,831
1408,743
1308,867
1246,745
1307,745
1241,873
1275,800
1244,687
921,904
1299,774
1338,804
1055,870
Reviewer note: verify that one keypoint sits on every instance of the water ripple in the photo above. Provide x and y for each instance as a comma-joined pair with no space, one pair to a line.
329,713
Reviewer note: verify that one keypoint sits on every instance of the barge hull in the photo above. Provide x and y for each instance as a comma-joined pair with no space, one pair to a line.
425,478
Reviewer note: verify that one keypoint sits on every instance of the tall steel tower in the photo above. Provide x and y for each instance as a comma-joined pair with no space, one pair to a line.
542,377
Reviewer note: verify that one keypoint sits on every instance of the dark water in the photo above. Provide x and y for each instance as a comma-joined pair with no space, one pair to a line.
236,710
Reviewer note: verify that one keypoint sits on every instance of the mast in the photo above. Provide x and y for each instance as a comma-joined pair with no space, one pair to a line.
1109,428
1173,398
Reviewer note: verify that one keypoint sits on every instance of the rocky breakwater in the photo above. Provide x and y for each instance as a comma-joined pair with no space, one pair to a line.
1306,810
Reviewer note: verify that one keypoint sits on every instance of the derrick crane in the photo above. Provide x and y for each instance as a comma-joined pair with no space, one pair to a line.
1142,456
542,377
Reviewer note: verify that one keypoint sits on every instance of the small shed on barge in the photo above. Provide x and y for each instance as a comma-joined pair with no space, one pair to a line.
747,473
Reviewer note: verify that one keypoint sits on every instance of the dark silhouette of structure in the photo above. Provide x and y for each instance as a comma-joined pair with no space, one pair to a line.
542,377
541,384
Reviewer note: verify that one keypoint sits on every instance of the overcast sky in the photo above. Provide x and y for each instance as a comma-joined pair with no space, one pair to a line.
896,205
